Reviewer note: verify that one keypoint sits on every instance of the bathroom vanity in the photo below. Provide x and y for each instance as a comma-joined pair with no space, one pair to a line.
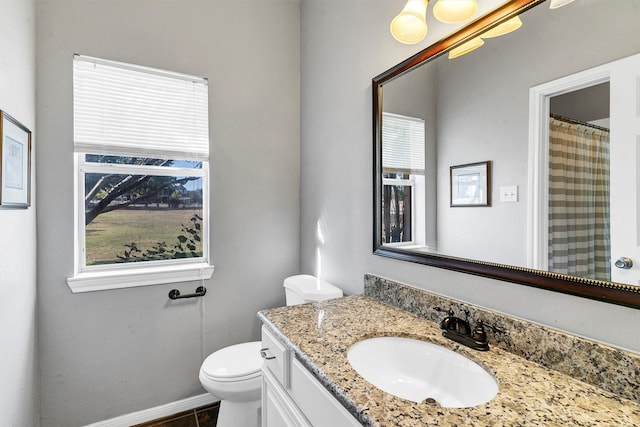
291,396
308,379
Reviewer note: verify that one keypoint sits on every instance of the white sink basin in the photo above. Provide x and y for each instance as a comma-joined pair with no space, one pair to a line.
417,370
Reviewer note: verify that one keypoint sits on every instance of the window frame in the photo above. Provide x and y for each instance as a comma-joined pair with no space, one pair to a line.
144,273
140,273
406,135
405,182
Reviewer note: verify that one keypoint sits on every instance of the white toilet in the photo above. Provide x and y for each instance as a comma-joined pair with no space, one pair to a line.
233,375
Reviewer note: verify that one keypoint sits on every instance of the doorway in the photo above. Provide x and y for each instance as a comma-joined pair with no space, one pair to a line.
622,78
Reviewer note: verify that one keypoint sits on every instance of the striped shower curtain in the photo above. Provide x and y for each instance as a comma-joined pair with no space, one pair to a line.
579,240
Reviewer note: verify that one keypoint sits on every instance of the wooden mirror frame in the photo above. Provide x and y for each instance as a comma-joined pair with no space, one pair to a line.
615,293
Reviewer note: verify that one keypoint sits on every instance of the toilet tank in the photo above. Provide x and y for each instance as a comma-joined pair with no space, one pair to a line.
306,288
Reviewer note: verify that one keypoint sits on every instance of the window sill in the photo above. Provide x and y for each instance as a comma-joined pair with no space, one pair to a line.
104,280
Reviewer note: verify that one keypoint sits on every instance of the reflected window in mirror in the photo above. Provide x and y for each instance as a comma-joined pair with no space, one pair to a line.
397,208
403,183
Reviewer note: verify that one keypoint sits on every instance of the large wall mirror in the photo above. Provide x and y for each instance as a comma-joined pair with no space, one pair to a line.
518,160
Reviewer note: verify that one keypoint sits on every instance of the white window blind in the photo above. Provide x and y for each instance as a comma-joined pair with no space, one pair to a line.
403,147
133,110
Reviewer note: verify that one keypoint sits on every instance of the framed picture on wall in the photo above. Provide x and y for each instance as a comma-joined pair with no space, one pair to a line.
15,167
471,184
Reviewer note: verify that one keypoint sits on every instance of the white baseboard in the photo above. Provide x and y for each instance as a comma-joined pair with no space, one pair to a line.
151,414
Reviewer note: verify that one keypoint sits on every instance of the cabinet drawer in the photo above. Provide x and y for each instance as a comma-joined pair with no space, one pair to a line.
276,357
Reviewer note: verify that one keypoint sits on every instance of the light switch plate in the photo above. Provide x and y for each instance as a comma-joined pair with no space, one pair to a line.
509,193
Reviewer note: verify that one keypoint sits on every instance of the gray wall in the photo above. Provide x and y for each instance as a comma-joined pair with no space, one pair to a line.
109,353
341,52
586,105
18,305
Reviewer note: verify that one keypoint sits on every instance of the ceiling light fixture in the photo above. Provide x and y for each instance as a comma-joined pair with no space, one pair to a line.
503,28
558,3
410,25
466,47
454,11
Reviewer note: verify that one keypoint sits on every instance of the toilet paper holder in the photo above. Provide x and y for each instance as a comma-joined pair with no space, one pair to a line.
200,292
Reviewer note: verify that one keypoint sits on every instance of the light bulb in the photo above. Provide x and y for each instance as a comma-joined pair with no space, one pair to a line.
466,47
503,28
454,11
410,25
558,3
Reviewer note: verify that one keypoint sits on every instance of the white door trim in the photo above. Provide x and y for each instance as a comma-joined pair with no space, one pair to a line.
538,199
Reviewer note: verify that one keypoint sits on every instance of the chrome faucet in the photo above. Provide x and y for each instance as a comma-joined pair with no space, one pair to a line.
459,330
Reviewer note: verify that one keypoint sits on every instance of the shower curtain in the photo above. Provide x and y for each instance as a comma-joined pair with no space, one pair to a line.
579,239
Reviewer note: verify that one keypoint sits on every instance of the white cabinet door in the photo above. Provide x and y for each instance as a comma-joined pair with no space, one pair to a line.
278,410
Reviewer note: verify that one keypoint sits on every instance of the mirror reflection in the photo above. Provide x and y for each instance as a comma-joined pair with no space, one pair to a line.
559,201
578,241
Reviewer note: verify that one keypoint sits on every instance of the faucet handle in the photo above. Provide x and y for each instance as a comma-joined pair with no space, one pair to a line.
448,323
479,334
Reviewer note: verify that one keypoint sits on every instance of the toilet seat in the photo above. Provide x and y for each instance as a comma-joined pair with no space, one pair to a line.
238,362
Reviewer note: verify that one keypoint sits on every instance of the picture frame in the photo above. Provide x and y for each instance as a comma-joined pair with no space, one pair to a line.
470,184
15,163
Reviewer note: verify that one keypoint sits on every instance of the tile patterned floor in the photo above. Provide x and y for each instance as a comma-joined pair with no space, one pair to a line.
205,416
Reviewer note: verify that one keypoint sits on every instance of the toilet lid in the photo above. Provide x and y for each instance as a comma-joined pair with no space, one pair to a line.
238,361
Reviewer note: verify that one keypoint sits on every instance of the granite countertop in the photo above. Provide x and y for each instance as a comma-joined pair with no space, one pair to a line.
319,334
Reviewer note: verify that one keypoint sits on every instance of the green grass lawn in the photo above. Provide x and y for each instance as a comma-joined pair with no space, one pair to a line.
109,232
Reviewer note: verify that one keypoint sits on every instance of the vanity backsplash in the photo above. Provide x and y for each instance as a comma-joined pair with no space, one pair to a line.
606,367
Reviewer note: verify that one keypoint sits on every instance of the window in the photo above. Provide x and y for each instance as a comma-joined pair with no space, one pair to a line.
403,184
397,204
141,147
